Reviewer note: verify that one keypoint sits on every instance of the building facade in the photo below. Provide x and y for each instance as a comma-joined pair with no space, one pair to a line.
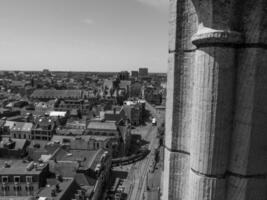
19,178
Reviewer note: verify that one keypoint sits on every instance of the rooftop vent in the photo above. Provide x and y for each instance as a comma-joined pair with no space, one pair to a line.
6,164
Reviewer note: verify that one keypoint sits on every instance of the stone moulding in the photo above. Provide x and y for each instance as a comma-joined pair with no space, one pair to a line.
208,37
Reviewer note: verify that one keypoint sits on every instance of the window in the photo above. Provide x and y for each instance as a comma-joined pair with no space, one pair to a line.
29,188
16,179
28,179
17,188
5,188
4,179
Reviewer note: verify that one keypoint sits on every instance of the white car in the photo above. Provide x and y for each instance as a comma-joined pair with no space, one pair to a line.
154,122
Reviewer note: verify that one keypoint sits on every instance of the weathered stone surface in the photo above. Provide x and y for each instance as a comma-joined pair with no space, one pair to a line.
179,101
246,188
212,109
206,188
249,146
254,21
176,175
182,25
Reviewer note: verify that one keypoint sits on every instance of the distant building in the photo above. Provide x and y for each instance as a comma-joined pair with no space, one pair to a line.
21,178
124,75
62,189
76,124
125,85
116,114
136,90
13,148
21,130
134,111
103,128
44,107
134,74
84,142
43,129
153,95
5,112
125,131
48,94
109,129
91,169
143,72
46,72
70,105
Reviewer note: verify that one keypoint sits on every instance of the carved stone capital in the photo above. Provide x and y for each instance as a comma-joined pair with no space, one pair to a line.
209,37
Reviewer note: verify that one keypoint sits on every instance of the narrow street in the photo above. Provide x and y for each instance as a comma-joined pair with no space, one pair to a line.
135,181
141,168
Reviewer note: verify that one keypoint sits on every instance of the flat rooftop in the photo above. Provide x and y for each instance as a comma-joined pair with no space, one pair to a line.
64,186
106,125
19,167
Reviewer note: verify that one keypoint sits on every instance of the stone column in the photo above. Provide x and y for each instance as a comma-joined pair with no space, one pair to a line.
183,24
212,112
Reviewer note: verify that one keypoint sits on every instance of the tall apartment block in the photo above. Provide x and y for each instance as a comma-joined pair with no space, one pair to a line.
216,110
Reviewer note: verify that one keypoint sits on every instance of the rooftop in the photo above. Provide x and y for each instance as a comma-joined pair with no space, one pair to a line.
63,187
18,143
86,158
106,125
61,94
21,126
20,167
57,113
44,123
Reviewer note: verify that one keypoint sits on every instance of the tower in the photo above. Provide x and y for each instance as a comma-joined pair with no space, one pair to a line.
216,114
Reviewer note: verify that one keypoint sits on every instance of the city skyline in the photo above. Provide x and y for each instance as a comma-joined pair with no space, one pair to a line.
93,35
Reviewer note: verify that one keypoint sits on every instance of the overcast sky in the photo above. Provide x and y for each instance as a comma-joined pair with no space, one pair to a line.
85,35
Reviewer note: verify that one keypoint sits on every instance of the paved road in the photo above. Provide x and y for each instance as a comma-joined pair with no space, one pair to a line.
140,169
147,166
